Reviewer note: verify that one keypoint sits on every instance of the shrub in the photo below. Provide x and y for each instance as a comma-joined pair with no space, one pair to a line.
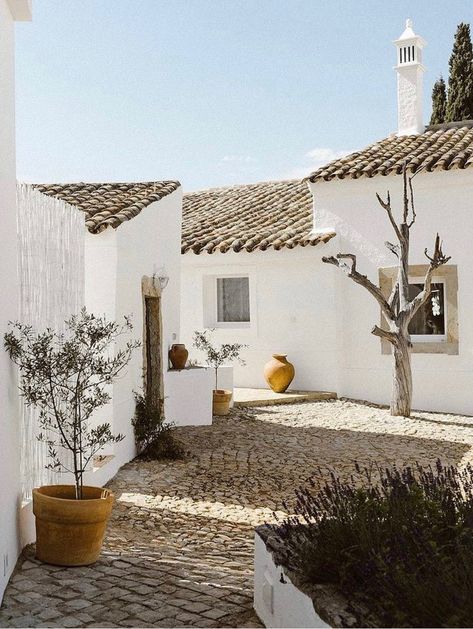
154,436
67,377
215,357
399,541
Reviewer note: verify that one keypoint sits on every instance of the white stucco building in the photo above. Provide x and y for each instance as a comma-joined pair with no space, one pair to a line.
131,267
115,248
10,10
252,264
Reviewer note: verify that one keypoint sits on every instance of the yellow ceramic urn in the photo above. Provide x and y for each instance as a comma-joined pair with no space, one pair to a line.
279,373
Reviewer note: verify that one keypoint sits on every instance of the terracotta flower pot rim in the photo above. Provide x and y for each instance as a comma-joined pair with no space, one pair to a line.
222,392
43,492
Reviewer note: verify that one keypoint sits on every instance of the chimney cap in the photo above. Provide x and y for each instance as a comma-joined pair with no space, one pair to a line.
409,35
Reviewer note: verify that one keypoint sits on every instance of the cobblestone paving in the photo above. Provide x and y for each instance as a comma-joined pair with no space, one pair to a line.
179,547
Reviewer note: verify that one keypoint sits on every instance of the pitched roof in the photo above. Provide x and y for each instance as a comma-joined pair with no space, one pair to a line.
107,204
443,147
251,217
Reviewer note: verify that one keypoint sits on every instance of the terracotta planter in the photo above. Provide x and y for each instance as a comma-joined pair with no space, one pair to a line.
178,355
279,373
70,532
221,402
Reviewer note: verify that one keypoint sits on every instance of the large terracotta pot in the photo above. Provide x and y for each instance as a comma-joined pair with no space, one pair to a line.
70,532
279,373
178,355
221,402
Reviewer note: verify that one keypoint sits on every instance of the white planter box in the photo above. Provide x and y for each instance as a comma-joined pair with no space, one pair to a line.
277,602
188,396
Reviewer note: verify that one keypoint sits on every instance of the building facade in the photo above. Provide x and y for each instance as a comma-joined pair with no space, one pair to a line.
252,261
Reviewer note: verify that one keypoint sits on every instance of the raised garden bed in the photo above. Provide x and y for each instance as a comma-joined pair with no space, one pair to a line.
385,548
282,599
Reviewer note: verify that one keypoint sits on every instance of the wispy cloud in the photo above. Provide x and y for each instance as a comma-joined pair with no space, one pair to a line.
315,158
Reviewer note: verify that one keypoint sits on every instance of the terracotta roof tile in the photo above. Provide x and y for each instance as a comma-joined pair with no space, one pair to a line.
446,148
260,216
107,204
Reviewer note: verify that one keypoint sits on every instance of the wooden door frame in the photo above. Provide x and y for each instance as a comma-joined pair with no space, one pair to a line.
150,289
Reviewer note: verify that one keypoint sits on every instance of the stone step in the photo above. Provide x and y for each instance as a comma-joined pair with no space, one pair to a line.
265,397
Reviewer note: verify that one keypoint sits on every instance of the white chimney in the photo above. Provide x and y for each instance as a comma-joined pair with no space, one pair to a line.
410,73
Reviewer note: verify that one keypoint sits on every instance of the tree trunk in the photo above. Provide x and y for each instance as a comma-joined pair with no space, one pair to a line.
402,379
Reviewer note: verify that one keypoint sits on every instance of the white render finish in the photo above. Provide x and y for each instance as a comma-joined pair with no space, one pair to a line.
291,311
410,73
441,382
280,604
115,263
321,319
10,491
189,397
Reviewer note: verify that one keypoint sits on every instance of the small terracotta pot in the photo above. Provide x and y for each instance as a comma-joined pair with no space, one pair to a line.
178,355
221,402
279,373
70,532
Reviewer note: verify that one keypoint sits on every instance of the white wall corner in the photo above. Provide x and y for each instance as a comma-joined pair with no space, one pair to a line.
21,10
321,221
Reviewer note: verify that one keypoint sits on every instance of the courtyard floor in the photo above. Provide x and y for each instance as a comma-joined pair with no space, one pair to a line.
179,548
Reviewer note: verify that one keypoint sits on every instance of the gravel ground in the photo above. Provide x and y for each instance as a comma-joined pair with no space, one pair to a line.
179,548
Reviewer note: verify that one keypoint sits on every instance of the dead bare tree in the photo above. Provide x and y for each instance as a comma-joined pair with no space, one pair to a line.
398,310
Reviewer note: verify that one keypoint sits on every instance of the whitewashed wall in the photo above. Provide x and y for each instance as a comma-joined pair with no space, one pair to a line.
444,204
321,319
115,262
291,310
9,408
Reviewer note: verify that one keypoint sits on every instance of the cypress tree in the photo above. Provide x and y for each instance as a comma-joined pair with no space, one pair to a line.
439,102
460,81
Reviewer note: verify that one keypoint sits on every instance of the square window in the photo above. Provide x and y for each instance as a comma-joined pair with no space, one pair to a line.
429,320
434,328
233,299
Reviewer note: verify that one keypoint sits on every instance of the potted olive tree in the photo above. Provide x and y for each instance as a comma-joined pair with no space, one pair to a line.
215,358
67,378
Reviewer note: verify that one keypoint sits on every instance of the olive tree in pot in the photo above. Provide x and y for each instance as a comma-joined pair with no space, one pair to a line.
67,378
215,358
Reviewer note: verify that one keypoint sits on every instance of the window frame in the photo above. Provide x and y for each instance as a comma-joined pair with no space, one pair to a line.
433,338
421,343
231,324
210,305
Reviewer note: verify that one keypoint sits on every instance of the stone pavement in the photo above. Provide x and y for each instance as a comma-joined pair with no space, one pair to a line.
179,547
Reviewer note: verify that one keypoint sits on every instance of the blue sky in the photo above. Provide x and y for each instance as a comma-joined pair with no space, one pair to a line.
212,92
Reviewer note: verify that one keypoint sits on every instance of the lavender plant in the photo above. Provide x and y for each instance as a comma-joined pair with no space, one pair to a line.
216,357
67,378
400,541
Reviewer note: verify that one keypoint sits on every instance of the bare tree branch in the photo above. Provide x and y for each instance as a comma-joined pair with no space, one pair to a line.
437,259
387,206
413,209
360,279
405,211
393,248
384,334
393,300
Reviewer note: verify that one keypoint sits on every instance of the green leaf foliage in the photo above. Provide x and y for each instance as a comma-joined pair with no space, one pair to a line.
68,377
216,356
154,436
460,82
439,102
